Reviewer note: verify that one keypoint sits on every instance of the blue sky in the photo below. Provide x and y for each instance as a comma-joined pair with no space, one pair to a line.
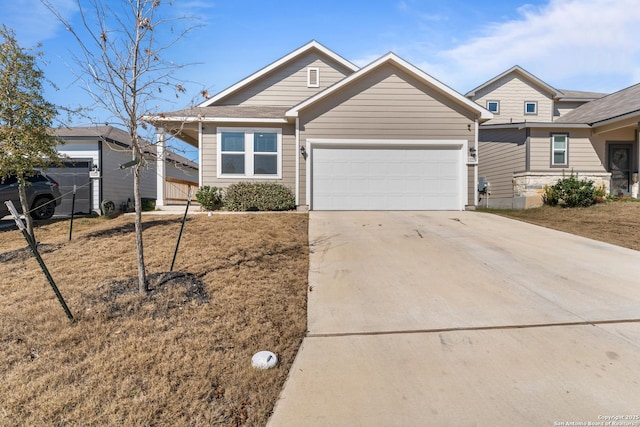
571,44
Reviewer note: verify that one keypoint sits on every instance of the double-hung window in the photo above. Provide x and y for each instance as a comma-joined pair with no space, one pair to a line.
250,153
559,149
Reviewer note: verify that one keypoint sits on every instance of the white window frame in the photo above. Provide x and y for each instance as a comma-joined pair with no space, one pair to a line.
535,108
311,82
497,106
249,152
565,151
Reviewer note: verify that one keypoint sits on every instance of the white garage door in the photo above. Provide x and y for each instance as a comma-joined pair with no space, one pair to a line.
387,178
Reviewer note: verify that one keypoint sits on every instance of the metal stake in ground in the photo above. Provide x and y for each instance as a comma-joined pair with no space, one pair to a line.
34,249
73,208
175,253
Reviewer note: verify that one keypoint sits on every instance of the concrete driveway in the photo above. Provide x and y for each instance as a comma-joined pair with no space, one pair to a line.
463,318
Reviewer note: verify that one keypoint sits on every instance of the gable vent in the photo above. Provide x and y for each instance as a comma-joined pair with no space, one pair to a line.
313,77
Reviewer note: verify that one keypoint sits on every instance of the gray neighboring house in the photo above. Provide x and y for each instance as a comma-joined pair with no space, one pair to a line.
92,157
386,136
540,134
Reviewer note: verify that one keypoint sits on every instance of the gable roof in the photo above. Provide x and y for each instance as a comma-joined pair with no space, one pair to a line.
524,73
618,105
411,69
312,45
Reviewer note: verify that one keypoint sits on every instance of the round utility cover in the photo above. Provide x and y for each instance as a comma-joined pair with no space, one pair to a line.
264,360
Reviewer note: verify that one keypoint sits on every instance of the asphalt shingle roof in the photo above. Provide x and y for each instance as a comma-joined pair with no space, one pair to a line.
617,104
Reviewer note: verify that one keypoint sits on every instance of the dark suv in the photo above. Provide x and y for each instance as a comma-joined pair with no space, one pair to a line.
43,195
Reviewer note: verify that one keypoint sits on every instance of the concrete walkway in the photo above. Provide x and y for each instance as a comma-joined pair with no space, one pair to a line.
463,318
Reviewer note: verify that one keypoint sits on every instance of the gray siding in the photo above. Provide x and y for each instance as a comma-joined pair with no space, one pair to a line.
512,91
117,184
385,104
209,157
501,152
287,86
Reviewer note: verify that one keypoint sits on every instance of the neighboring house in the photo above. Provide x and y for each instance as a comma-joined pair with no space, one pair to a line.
387,136
589,134
516,96
92,157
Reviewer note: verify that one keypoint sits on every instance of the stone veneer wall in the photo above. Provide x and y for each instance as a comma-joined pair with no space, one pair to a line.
528,187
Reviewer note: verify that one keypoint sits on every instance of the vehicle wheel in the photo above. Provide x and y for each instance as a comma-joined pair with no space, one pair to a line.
42,209
108,208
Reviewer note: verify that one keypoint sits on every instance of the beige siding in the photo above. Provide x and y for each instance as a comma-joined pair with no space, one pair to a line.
209,157
500,154
512,91
287,86
386,104
562,108
581,152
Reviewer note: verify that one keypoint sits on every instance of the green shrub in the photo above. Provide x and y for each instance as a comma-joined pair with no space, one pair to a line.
571,192
250,196
210,198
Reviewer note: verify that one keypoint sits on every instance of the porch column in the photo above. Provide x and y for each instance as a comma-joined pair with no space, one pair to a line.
160,167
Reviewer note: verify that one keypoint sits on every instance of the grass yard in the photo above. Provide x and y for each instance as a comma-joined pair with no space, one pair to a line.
180,355
613,222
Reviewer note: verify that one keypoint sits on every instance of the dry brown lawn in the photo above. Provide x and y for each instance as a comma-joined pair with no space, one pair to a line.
613,222
180,355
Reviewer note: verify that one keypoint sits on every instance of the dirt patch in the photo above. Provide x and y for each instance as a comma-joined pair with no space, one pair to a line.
613,222
179,355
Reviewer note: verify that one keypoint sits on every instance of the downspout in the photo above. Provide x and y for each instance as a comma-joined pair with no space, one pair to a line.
161,173
297,155
102,171
476,199
200,138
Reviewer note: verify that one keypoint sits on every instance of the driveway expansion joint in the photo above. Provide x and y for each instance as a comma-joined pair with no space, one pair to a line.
472,328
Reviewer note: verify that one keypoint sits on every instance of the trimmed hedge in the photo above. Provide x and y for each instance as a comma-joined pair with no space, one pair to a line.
210,198
251,196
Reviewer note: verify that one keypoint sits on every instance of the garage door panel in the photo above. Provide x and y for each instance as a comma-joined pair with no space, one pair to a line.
386,178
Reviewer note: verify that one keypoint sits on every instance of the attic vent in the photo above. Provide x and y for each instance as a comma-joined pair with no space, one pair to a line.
313,77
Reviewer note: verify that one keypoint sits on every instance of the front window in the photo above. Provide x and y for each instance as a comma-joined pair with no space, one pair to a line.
559,145
493,106
531,107
249,153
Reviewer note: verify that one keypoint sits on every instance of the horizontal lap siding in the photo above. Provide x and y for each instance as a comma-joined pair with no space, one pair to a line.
209,159
500,154
582,155
512,92
117,184
287,86
386,104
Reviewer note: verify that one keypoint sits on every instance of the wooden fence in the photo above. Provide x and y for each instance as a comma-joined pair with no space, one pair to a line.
177,190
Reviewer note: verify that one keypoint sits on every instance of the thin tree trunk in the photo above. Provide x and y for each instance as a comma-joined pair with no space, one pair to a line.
25,210
142,274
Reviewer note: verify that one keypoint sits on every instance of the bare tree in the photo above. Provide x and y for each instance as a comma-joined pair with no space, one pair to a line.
25,117
122,45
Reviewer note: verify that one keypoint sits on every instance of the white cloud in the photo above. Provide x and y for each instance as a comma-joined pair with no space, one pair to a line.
562,42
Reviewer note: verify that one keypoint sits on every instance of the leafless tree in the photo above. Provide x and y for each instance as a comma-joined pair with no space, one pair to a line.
122,66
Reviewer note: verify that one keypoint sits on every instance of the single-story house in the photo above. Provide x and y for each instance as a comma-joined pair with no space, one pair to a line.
386,136
540,134
92,159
